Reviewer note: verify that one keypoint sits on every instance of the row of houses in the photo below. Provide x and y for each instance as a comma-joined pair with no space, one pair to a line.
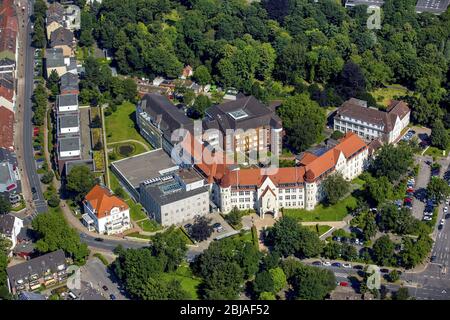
61,23
10,185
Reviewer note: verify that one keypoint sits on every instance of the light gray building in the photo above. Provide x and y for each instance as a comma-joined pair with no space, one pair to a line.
175,198
432,6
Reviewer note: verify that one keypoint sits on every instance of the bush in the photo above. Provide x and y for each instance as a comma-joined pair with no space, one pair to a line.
47,178
101,258
53,200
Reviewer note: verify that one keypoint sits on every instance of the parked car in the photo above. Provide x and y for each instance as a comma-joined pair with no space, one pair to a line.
445,209
105,288
384,270
326,263
216,225
187,226
433,258
317,263
427,213
98,239
336,264
347,265
343,284
427,218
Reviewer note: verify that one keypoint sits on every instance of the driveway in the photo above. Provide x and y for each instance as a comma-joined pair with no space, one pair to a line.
95,273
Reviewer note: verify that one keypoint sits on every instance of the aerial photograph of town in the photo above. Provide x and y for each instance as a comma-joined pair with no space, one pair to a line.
224,150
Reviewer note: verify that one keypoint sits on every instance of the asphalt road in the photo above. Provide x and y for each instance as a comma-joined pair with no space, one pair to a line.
30,164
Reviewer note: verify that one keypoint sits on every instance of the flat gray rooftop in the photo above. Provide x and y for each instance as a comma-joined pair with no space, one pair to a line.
69,120
69,144
170,191
68,100
144,166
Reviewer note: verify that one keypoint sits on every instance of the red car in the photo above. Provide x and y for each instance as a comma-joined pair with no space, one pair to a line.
408,200
410,190
343,284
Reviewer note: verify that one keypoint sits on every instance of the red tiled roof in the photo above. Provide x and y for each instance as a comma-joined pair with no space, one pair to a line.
6,128
6,93
103,201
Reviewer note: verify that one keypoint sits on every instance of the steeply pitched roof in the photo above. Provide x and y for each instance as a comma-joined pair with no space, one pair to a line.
357,109
243,113
314,168
55,261
60,37
6,128
55,12
103,201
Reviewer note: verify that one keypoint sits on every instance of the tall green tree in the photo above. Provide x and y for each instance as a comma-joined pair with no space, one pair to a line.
55,233
303,119
335,187
5,204
439,135
80,181
438,189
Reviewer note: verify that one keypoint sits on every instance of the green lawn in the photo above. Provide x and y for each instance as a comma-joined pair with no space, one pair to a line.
246,237
120,125
149,225
188,281
138,235
434,152
385,95
322,229
336,212
185,236
136,213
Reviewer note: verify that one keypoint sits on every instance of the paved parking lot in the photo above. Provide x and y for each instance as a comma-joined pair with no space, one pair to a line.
95,273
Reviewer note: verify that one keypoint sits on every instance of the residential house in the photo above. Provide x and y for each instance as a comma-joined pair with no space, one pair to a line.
73,17
54,60
175,198
7,66
158,118
68,124
6,128
52,26
55,12
10,227
48,269
187,72
64,39
370,123
7,97
10,184
69,148
67,103
243,126
69,84
105,212
9,27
